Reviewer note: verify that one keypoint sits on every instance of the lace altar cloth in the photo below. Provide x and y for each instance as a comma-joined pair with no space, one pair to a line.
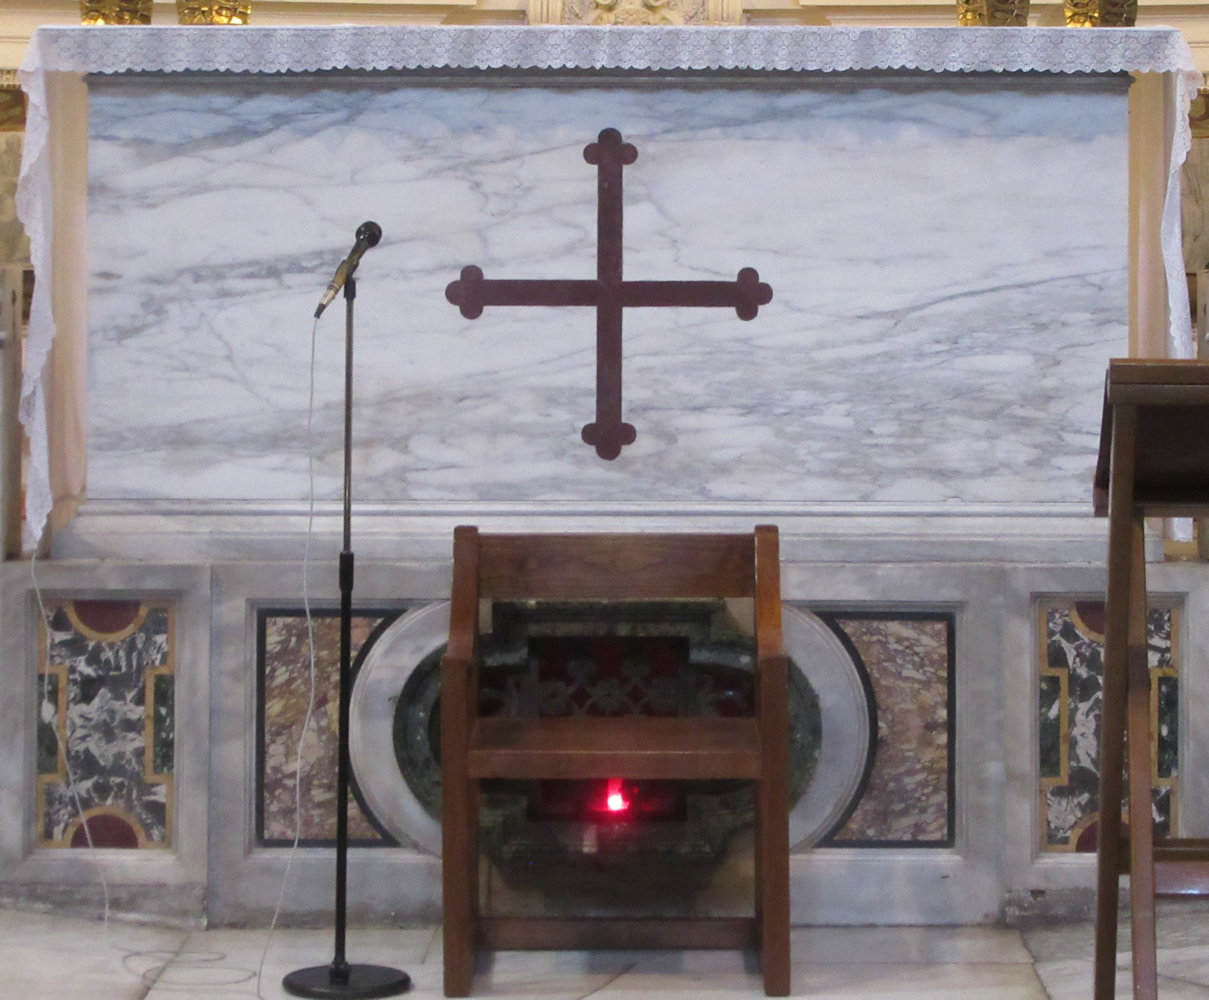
279,50
172,49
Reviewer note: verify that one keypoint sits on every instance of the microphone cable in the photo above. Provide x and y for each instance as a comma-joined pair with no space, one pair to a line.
312,671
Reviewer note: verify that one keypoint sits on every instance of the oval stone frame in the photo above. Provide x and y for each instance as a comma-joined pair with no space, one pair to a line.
810,644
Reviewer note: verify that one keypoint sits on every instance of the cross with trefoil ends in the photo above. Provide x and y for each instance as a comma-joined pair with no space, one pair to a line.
609,293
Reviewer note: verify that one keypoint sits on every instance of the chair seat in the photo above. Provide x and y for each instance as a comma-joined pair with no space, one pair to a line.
640,747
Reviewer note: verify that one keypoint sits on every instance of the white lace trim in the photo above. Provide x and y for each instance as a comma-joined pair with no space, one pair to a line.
250,49
277,50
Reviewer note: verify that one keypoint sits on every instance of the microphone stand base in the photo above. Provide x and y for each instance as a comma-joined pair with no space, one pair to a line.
361,982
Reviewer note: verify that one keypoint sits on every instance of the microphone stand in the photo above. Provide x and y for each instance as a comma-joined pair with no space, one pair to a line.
340,980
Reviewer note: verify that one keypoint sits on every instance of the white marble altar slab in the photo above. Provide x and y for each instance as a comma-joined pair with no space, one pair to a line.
937,336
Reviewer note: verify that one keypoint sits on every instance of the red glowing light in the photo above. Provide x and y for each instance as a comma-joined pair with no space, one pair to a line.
615,800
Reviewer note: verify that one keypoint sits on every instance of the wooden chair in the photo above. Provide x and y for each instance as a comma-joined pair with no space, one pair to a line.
474,748
1154,460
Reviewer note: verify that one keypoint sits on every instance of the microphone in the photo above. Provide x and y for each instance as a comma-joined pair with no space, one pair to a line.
368,234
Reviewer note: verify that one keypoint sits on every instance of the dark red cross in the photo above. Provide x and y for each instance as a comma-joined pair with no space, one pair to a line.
609,293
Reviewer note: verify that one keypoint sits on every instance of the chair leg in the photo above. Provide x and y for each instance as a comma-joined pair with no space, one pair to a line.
1121,554
772,827
459,883
1141,832
1109,853
772,885
1141,822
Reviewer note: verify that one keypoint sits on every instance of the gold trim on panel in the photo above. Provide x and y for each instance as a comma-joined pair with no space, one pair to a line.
89,632
139,833
1045,670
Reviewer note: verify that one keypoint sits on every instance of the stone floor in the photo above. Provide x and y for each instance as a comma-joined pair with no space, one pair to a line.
48,957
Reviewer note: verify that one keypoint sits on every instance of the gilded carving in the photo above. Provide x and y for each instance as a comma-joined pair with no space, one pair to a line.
1101,13
213,11
632,12
993,13
1118,13
115,11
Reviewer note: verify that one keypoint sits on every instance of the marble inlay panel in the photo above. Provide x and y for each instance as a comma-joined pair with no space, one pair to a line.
297,767
908,798
937,335
1072,637
106,724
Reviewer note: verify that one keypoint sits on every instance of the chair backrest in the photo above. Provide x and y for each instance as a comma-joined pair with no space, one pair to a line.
575,567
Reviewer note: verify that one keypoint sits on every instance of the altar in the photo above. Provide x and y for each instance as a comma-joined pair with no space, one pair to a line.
915,402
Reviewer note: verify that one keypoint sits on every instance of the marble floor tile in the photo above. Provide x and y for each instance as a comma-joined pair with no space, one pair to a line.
48,957
234,964
986,981
1063,955
903,945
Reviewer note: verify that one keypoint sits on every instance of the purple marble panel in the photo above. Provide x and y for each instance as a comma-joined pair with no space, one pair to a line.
908,796
298,771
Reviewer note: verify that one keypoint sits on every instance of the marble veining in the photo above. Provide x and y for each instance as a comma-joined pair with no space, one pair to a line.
1072,637
106,727
937,335
288,756
908,798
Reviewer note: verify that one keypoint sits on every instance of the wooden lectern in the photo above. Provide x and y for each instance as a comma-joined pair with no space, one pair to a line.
1154,461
